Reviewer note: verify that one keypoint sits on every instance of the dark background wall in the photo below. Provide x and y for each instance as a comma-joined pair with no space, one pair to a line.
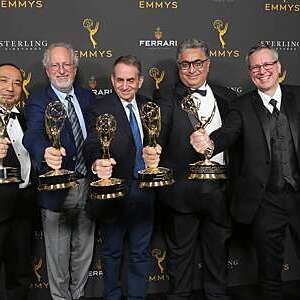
151,30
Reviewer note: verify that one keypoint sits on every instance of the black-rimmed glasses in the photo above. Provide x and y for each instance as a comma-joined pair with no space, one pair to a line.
197,64
267,66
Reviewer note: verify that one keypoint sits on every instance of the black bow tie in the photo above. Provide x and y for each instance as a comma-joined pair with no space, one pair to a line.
200,92
13,115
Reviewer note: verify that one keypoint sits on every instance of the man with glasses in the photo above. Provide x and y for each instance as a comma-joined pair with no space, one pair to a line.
68,232
266,188
194,209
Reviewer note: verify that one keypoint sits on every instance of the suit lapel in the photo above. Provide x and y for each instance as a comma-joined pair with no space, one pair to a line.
262,115
181,92
222,105
288,103
122,117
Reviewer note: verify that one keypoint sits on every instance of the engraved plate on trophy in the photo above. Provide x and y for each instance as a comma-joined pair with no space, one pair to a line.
110,188
205,169
7,174
55,115
153,176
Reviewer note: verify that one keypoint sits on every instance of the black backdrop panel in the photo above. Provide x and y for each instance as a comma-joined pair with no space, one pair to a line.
100,31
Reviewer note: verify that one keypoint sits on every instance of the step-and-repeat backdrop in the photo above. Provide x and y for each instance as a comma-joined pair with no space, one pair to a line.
100,31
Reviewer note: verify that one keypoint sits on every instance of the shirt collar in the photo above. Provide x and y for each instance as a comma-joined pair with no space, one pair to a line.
62,95
202,87
133,102
14,109
266,98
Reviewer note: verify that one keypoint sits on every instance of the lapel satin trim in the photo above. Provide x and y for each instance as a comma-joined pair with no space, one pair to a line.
263,118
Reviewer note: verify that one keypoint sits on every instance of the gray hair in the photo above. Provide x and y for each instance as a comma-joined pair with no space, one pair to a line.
259,47
129,60
192,44
46,56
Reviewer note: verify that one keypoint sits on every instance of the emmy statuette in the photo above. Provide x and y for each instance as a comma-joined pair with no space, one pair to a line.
153,176
205,169
110,188
55,115
8,175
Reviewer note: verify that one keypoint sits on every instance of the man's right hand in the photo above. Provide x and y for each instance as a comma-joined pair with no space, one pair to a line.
4,143
201,142
103,167
53,157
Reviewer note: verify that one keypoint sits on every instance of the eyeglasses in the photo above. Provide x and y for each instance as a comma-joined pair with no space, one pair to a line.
65,66
267,66
197,64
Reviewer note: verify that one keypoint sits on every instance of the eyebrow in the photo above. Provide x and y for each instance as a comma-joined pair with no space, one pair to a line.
125,79
6,77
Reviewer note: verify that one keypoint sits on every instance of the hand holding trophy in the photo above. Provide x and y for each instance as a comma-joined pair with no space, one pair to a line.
55,115
153,176
7,174
205,169
109,188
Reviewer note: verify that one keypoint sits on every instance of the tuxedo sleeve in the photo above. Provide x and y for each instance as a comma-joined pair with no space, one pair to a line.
165,102
230,131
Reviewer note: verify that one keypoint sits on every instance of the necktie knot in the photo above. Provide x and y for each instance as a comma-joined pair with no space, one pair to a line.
69,98
273,102
275,112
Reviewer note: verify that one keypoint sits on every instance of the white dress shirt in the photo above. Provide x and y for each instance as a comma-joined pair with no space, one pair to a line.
15,134
207,104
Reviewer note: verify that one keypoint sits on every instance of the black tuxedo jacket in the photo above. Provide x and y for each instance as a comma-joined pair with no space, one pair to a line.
13,201
248,122
122,147
177,152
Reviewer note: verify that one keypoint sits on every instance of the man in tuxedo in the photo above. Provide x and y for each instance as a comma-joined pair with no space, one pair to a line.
136,212
68,232
266,187
17,199
194,208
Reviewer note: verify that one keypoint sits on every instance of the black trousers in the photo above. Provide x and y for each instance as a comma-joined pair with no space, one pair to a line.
15,247
183,231
278,211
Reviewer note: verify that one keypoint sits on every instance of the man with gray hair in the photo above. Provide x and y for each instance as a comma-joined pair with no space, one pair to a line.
194,208
68,232
266,189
